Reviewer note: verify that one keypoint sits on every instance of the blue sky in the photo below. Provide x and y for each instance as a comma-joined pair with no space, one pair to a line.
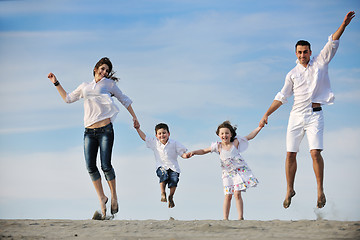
191,64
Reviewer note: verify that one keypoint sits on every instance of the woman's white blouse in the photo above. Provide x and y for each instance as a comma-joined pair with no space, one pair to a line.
98,102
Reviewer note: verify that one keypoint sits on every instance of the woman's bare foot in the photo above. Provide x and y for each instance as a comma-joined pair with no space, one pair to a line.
103,202
321,201
163,197
114,206
171,202
287,200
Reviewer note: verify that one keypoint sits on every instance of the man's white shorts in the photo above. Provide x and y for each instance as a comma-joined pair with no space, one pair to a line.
312,124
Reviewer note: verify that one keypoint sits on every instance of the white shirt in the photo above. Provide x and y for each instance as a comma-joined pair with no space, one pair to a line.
166,154
310,84
98,104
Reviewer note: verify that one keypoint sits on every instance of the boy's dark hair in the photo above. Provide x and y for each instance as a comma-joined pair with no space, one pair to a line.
302,43
227,125
107,61
160,126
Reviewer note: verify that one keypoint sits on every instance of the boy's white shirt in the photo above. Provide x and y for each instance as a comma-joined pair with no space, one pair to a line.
166,154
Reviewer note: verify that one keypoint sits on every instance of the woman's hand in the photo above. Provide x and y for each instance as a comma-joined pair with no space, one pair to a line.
52,77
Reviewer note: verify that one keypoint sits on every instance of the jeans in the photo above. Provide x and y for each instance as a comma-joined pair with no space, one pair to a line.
95,138
169,177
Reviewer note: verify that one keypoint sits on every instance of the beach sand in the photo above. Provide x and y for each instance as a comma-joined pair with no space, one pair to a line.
179,230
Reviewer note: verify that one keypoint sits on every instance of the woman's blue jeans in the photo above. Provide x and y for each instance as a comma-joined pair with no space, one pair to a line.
95,138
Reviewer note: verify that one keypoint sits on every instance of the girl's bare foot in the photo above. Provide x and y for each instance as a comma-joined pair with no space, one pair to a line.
287,200
163,197
171,202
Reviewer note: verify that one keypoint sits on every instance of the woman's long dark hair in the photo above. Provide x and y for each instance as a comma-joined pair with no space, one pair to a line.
107,61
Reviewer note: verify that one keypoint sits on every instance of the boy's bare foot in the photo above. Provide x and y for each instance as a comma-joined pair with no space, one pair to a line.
171,202
163,197
287,200
321,201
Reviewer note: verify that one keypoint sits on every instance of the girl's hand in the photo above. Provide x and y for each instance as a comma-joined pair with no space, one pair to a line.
52,77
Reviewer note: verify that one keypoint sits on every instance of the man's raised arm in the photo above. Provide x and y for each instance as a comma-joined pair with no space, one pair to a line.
349,16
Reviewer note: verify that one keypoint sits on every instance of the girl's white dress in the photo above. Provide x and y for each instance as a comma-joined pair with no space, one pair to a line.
236,174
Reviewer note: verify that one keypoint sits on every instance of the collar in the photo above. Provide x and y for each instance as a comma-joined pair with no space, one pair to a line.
161,144
309,64
94,83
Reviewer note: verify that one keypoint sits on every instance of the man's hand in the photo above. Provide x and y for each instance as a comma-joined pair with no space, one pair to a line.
349,16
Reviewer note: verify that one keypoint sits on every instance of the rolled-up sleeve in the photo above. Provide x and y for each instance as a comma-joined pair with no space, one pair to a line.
329,50
286,91
123,99
75,95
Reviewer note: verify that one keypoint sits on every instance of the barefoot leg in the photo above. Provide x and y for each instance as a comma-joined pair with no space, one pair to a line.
290,169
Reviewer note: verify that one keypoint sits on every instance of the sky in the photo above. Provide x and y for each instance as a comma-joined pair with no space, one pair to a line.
190,64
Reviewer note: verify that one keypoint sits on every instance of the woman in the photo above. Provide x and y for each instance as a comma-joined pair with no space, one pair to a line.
99,113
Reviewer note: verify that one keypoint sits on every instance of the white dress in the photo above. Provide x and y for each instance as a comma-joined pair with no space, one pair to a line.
236,174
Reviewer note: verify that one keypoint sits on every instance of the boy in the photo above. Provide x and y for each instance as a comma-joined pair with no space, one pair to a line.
166,151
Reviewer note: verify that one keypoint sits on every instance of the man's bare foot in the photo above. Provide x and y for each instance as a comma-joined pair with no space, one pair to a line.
321,201
287,200
163,197
103,203
171,202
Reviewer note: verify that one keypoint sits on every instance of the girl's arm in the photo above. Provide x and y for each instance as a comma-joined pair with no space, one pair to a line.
58,86
253,133
199,152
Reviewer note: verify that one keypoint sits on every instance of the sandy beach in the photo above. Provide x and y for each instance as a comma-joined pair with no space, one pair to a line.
179,230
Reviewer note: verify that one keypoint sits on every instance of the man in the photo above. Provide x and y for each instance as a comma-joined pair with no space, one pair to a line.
309,82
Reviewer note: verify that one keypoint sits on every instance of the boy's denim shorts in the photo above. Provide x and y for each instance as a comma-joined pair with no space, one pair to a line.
170,177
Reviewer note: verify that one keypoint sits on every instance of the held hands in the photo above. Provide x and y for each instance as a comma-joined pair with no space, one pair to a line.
263,121
136,123
188,155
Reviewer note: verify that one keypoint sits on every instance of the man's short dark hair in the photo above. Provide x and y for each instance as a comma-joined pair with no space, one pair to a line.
302,43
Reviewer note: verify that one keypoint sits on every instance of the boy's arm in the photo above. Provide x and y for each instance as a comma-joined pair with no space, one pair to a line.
141,133
253,133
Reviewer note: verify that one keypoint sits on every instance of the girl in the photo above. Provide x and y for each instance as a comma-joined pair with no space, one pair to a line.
99,113
236,174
